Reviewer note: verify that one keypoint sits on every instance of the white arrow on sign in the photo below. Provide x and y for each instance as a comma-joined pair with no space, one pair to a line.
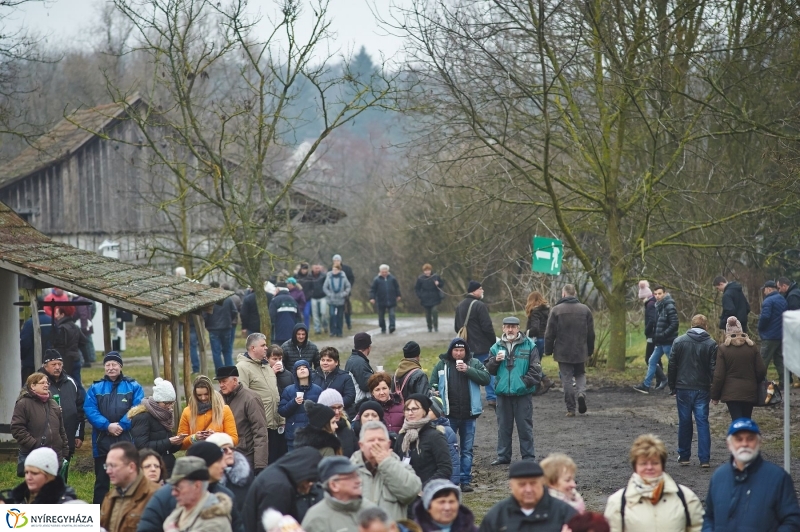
541,254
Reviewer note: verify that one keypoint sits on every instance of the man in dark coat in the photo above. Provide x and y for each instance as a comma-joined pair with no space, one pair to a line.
429,290
299,347
284,314
748,492
218,324
284,487
67,394
770,327
68,340
649,302
666,333
691,370
351,278
409,378
319,301
26,342
530,507
479,330
251,418
790,291
303,276
570,339
358,365
385,293
734,302
251,321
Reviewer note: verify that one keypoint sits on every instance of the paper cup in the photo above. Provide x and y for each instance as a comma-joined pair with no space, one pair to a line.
300,394
380,368
501,355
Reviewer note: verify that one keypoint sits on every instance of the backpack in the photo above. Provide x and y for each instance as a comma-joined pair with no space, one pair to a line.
462,332
681,496
403,385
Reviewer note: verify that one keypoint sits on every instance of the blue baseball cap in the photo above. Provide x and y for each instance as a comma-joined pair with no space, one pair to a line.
743,423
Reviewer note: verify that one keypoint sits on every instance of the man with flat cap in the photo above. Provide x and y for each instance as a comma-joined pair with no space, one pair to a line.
570,339
472,315
338,511
515,361
196,510
251,419
530,507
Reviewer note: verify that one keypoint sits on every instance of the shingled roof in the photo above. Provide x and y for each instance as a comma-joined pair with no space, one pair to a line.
142,291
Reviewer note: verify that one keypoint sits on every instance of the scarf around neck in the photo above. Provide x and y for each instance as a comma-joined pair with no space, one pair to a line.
163,415
649,489
202,408
43,397
411,430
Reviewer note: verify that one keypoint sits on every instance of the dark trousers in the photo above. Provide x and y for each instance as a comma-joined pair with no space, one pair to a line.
101,481
432,317
660,376
277,445
739,409
382,318
513,409
348,310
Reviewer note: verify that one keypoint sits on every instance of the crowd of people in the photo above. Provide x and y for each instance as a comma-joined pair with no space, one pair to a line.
286,432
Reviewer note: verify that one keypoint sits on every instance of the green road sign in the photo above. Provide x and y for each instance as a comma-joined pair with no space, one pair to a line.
547,255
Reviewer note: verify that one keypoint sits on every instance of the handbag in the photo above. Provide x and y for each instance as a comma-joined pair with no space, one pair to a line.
768,394
462,332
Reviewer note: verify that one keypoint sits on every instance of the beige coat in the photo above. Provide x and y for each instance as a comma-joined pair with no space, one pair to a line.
392,487
261,379
666,516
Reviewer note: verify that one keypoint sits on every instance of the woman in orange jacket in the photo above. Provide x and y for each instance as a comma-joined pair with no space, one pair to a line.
206,414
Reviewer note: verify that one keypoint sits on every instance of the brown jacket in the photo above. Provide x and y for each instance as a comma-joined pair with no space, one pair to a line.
36,424
132,505
738,372
251,424
569,336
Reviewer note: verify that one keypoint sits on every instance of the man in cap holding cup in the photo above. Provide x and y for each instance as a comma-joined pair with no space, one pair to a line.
516,363
748,492
530,506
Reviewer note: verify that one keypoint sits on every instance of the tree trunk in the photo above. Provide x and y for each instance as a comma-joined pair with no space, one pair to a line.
263,310
618,317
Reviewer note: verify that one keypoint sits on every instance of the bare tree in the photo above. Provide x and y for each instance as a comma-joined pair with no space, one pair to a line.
602,114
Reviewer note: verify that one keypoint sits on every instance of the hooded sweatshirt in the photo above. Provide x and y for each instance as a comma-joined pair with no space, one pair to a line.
294,413
293,350
460,391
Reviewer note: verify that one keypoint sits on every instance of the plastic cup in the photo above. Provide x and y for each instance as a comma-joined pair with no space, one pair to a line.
459,363
501,354
300,395
380,368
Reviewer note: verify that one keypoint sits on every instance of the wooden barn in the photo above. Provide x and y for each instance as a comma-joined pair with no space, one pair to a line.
90,179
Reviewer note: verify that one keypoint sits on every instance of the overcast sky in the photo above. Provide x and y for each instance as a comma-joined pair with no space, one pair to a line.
352,21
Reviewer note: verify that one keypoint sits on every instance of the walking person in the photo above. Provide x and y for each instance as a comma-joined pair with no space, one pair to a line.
430,291
218,323
303,276
691,370
649,303
319,301
739,370
336,288
538,313
666,332
517,366
734,302
770,327
456,379
152,422
570,339
351,278
385,293
474,325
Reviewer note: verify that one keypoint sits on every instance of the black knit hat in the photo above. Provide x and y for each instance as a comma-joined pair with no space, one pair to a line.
411,350
319,416
423,400
210,452
112,356
51,354
473,285
371,405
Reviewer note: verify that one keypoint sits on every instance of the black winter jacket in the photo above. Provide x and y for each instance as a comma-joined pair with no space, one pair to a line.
692,361
339,380
384,290
294,351
666,321
238,479
68,340
223,316
358,366
162,503
148,433
650,317
734,303
793,297
318,282
431,458
550,515
71,401
251,322
319,439
480,331
409,378
537,322
428,293
465,519
276,487
54,492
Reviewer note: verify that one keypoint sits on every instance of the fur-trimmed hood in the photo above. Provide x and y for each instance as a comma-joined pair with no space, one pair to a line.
54,492
216,505
310,436
240,473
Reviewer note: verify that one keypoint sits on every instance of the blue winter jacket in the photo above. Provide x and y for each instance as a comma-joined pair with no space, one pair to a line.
26,338
770,322
295,414
284,314
452,443
759,499
107,402
339,380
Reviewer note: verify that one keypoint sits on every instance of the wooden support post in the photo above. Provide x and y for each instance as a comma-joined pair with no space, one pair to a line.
165,352
187,359
153,330
176,374
37,329
106,327
199,330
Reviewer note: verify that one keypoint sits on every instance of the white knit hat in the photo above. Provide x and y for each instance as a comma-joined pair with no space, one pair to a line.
220,438
45,459
163,391
330,397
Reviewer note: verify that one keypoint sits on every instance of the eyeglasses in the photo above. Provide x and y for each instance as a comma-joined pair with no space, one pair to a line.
107,466
412,409
338,408
227,450
166,404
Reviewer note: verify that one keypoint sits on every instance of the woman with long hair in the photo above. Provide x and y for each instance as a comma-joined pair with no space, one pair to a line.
152,423
206,414
538,312
37,421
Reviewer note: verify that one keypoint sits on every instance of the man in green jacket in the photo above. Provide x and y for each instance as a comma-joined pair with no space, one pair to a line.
515,361
457,379
338,511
